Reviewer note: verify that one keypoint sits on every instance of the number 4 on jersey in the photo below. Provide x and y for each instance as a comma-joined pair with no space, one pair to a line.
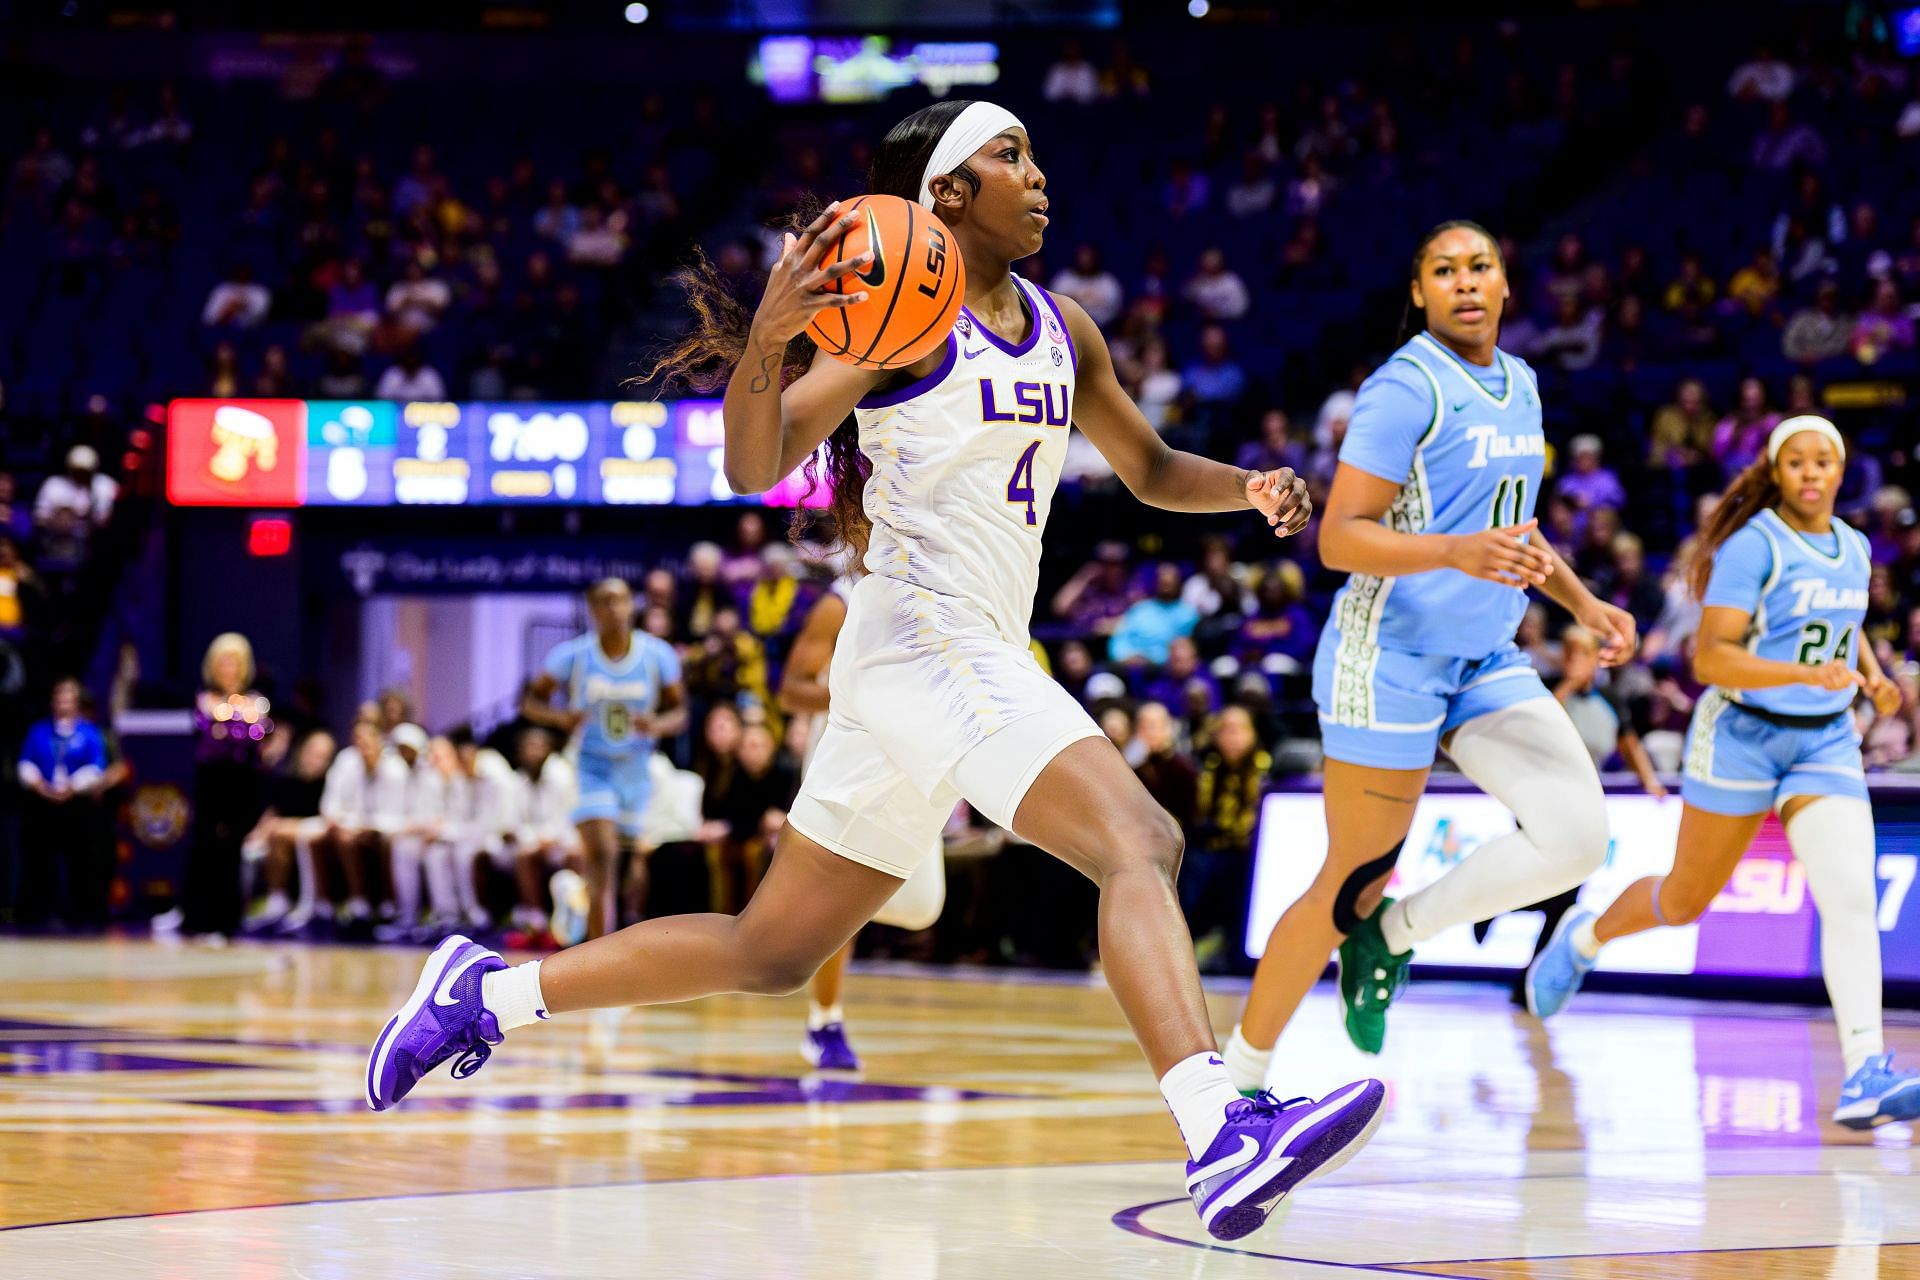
1020,485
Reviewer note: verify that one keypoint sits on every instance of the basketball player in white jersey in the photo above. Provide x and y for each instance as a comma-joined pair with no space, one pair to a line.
803,691
945,472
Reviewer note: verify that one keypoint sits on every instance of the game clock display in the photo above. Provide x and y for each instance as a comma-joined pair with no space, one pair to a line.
338,453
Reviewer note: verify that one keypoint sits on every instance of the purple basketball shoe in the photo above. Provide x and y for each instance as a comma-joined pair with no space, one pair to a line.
826,1049
442,1017
1269,1147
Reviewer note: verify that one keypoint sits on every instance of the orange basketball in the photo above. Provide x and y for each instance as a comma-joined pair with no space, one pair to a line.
914,286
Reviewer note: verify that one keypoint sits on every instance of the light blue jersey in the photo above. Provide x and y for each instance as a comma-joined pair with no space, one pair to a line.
613,693
1807,594
1466,446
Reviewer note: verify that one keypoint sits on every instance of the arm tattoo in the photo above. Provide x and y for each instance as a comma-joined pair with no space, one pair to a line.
1381,795
764,379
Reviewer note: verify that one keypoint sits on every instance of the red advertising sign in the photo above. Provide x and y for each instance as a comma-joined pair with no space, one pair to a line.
236,453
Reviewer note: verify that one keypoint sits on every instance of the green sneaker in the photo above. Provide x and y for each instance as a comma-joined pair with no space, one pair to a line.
1371,975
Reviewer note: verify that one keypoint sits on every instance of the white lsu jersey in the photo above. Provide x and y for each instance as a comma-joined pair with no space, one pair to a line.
965,461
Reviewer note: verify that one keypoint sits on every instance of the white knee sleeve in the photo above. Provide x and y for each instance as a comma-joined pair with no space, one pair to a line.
1530,758
917,903
1834,840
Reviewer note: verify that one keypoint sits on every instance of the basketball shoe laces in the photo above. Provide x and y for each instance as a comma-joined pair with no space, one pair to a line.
473,1055
1267,1103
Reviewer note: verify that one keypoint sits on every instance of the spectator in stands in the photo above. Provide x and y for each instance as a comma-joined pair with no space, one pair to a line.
729,664
1169,685
1589,485
1604,722
1275,446
557,219
1217,871
1280,624
238,301
1150,625
1572,342
1819,332
1682,432
1741,436
343,378
1692,287
1098,593
599,242
1756,285
1168,773
411,378
1073,78
1215,382
771,600
1763,78
16,518
70,507
1186,190
1091,285
743,562
1074,669
353,308
1785,144
1892,742
1253,193
1155,387
62,766
1627,584
745,805
417,300
20,598
223,374
1218,586
1216,291
1885,621
275,379
1883,329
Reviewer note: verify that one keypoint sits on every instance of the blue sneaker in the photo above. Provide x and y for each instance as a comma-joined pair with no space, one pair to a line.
1269,1147
826,1049
1877,1094
571,906
1557,972
443,1017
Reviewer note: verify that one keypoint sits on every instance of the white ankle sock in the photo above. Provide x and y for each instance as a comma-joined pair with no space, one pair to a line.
513,996
1396,928
1246,1065
819,1016
1198,1091
1584,940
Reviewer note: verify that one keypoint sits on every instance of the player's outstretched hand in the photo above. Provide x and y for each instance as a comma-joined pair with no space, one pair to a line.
797,286
1280,496
1501,555
1837,675
1619,634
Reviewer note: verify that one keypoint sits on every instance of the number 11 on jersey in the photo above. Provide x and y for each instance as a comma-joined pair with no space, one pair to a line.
1020,484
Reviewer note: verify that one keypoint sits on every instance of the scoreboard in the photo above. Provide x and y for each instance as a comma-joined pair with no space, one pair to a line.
376,453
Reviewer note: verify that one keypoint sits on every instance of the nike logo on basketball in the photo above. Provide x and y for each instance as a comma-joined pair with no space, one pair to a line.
1248,1150
440,993
876,274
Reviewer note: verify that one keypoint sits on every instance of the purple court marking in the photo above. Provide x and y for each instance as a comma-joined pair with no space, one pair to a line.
774,1091
66,1057
1129,1220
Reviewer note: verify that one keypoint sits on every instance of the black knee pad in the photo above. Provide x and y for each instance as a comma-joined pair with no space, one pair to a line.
1345,918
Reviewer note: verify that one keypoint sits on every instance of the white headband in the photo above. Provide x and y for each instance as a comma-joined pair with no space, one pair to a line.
1805,422
970,130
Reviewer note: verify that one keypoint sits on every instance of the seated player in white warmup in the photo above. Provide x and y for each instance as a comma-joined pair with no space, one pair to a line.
945,470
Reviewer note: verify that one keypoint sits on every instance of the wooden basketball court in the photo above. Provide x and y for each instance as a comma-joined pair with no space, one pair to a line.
172,1112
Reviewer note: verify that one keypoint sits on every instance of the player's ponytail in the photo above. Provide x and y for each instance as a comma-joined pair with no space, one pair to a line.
1414,321
717,341
1752,491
